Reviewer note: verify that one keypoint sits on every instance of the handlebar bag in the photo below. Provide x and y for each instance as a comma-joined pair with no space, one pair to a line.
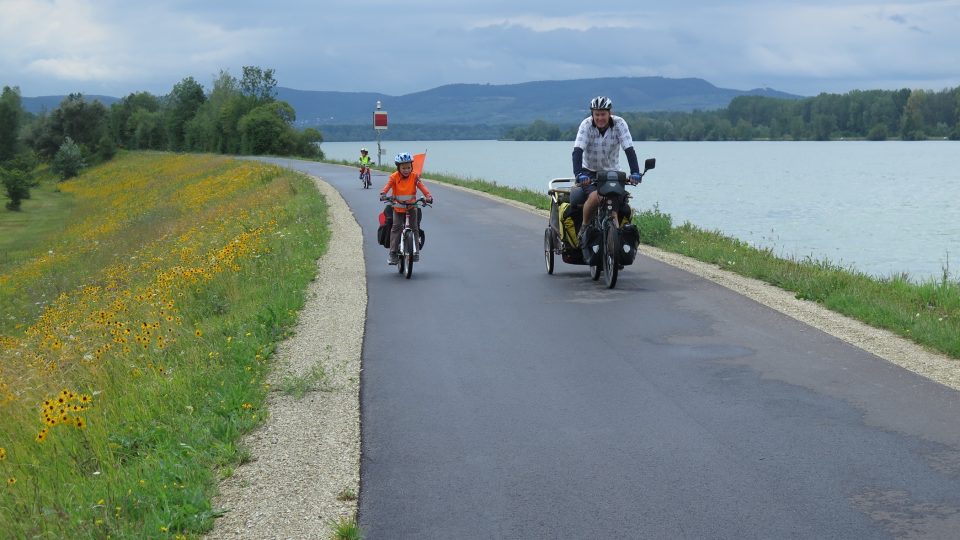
610,183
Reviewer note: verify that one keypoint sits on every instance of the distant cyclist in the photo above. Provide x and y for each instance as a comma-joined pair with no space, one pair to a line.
597,148
404,185
365,162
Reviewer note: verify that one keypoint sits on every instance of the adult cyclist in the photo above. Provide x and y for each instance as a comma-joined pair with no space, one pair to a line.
597,148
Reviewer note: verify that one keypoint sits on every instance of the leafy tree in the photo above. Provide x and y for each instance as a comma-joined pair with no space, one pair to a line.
183,102
309,144
258,83
147,130
11,114
267,130
83,122
207,131
912,122
123,114
823,126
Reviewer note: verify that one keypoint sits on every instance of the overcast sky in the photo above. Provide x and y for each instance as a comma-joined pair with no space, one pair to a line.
116,47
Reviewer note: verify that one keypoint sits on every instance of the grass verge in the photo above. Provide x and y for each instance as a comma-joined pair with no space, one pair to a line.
134,342
927,312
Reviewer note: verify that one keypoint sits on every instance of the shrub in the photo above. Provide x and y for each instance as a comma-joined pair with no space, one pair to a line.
654,226
16,183
68,160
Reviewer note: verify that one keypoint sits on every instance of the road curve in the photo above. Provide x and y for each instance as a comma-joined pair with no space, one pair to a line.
500,402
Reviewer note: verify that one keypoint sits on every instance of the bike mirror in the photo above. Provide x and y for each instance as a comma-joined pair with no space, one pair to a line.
650,163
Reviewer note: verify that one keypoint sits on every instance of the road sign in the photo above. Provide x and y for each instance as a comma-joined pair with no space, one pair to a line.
380,120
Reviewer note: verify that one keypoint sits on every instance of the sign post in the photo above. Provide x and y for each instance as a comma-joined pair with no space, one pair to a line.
379,124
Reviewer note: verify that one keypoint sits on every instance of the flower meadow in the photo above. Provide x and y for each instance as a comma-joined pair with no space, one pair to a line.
135,341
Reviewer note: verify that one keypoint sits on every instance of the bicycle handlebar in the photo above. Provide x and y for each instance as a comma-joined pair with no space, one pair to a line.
419,202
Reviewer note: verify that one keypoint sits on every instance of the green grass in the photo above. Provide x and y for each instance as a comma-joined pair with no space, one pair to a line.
927,312
346,529
39,219
299,385
165,422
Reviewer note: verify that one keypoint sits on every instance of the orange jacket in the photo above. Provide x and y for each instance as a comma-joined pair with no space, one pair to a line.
404,189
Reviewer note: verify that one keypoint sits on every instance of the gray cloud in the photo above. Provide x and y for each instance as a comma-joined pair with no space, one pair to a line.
804,47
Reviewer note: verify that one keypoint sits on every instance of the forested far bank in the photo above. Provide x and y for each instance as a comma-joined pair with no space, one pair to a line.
874,115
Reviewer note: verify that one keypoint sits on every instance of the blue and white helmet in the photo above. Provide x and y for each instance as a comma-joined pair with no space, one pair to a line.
403,157
601,103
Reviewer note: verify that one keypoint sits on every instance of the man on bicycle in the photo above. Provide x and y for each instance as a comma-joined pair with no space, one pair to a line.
365,161
404,186
597,148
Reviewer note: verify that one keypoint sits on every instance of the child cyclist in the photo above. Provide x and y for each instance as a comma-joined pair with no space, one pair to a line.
404,185
365,161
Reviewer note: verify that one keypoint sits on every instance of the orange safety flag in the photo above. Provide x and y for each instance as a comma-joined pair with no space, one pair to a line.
418,160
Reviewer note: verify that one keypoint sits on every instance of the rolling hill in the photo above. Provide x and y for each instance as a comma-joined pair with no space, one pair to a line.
553,101
561,102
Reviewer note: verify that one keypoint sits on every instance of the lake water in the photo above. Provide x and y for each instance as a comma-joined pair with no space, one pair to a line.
880,207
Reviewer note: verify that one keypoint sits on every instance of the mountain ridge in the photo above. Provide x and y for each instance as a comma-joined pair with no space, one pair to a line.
556,101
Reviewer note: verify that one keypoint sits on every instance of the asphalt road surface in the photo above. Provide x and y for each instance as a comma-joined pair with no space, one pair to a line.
500,402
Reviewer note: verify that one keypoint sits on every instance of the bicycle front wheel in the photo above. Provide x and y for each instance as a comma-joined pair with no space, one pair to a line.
611,256
408,251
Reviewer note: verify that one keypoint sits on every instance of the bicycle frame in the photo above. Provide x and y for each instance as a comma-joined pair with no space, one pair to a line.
403,233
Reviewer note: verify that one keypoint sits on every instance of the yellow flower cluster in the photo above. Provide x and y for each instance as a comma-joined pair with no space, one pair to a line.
113,288
61,410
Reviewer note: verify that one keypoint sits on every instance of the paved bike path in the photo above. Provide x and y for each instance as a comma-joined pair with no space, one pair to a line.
500,402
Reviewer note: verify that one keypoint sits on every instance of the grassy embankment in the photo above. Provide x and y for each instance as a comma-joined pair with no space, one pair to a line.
139,306
927,312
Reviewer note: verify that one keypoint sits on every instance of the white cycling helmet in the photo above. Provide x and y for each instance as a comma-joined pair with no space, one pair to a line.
403,157
601,103
363,149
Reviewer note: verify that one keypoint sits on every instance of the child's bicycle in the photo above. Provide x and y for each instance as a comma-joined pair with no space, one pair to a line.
409,245
365,177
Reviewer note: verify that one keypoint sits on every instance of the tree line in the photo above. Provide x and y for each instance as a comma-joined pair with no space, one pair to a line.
872,114
236,116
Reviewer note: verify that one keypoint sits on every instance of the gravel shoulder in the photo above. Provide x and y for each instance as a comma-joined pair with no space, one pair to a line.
306,457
